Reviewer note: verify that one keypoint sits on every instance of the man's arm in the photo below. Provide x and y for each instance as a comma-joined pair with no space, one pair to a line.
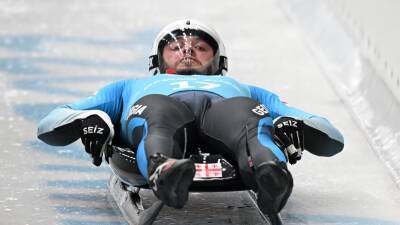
63,125
320,136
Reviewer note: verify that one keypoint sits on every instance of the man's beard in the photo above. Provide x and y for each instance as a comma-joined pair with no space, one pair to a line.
191,71
188,62
188,72
195,72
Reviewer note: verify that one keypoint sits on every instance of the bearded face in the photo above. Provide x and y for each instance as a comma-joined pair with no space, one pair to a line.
188,55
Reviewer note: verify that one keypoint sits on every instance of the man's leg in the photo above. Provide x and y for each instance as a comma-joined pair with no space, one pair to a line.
159,127
241,128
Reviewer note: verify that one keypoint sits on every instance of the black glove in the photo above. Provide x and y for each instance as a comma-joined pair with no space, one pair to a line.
289,137
95,135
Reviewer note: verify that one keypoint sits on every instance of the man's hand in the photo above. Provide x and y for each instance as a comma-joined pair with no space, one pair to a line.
95,135
289,137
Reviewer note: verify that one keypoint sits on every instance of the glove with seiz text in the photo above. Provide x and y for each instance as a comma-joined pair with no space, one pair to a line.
289,137
95,135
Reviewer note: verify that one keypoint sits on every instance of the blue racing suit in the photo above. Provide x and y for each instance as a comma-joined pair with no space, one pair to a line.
115,102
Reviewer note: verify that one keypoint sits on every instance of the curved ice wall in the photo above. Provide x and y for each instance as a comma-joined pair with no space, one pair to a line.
357,45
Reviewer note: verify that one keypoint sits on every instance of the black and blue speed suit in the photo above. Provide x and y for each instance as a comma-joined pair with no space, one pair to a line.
172,113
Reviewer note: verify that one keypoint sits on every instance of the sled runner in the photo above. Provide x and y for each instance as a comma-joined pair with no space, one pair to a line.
213,174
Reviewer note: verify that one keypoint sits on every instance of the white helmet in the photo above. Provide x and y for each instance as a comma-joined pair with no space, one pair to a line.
188,27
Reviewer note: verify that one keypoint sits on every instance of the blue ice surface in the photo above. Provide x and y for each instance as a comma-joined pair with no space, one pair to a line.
28,66
33,76
78,184
77,197
52,85
52,88
34,111
71,151
33,42
77,210
31,65
20,66
73,168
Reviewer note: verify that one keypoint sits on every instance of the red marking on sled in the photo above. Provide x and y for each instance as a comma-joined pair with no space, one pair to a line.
208,170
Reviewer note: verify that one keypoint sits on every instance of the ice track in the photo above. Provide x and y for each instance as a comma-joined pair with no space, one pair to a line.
55,52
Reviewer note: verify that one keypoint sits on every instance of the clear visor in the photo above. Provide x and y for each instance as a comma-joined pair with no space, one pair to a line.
189,52
189,45
188,48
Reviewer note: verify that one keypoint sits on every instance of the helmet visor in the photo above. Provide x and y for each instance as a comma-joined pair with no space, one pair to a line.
188,51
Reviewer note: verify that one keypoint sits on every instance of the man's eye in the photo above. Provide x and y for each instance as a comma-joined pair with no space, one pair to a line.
174,47
200,48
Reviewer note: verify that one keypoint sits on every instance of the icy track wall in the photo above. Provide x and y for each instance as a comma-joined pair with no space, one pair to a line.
356,45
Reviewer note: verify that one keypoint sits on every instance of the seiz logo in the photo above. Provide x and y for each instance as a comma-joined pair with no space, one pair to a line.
93,130
260,110
288,123
137,110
